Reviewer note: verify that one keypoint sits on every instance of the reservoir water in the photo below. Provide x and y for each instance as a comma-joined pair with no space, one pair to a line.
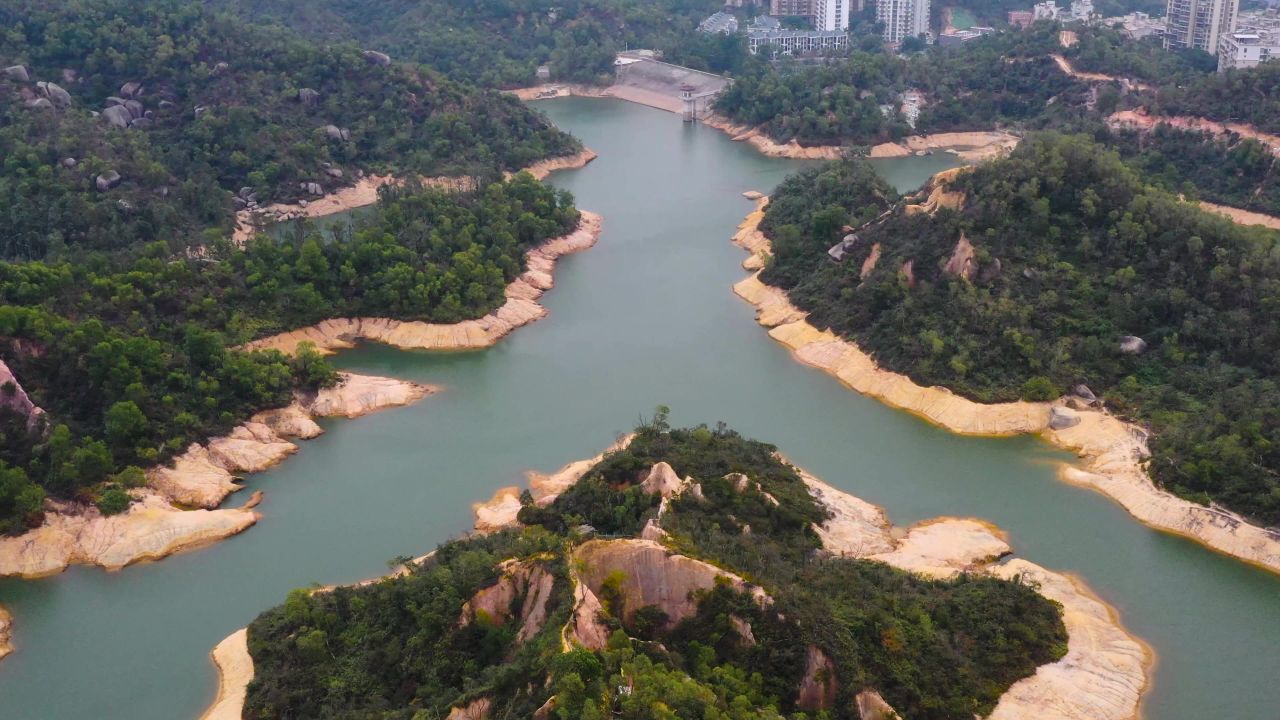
645,318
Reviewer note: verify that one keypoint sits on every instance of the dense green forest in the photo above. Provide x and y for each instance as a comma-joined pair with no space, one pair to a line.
1247,96
497,43
1241,172
129,355
396,649
129,122
1003,79
1072,253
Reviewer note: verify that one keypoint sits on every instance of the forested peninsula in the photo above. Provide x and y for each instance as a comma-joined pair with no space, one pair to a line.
690,573
127,122
1100,286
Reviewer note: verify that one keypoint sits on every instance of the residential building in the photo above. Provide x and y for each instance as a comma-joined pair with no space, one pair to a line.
831,15
721,22
1256,41
791,8
1199,23
764,23
1047,10
960,37
903,18
1082,10
1137,25
797,42
1021,18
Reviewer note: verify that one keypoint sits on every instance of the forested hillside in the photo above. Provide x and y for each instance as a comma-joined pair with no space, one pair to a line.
479,623
498,43
1004,79
124,122
130,358
1247,96
1059,258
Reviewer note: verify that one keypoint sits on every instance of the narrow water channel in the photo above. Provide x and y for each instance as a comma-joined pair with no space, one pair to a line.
646,317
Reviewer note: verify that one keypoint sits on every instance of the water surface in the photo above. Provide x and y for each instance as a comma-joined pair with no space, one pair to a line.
644,318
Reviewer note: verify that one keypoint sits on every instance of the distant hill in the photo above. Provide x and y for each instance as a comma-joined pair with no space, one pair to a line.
124,122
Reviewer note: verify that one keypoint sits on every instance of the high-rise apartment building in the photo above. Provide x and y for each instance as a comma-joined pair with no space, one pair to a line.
1199,23
903,18
829,15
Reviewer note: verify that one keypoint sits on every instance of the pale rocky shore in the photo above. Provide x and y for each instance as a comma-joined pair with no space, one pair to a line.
156,524
969,146
1102,676
520,308
1112,452
6,627
365,192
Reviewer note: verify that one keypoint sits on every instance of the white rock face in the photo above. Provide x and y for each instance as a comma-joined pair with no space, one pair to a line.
1104,672
150,529
945,547
235,671
662,480
357,395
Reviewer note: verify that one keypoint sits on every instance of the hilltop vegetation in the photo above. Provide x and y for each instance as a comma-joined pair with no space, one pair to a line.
416,646
130,355
499,43
1071,252
1245,96
197,106
1002,79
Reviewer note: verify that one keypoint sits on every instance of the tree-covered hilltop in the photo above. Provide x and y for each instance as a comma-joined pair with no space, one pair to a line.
124,122
483,621
1235,171
130,356
1250,96
499,43
1059,254
1006,78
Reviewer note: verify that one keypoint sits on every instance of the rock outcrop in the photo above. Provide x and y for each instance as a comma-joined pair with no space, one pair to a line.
152,528
13,397
6,632
662,480
235,672
520,308
521,594
650,574
1105,669
1103,674
962,261
1112,451
202,477
819,685
475,710
945,547
873,707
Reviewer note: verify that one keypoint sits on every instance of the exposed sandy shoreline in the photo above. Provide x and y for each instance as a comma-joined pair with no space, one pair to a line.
520,309
365,192
6,628
1112,452
1102,676
156,525
1141,120
1242,217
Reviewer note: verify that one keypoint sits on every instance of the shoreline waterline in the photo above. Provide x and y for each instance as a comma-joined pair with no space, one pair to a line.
1112,451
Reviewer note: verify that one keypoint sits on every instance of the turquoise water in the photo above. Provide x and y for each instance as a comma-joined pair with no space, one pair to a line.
644,318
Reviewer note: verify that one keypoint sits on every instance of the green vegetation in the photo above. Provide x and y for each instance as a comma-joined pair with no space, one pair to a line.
1002,79
1241,172
1072,252
227,106
129,355
1245,96
1107,50
499,43
396,648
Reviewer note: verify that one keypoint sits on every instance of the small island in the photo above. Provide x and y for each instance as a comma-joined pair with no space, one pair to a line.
693,573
